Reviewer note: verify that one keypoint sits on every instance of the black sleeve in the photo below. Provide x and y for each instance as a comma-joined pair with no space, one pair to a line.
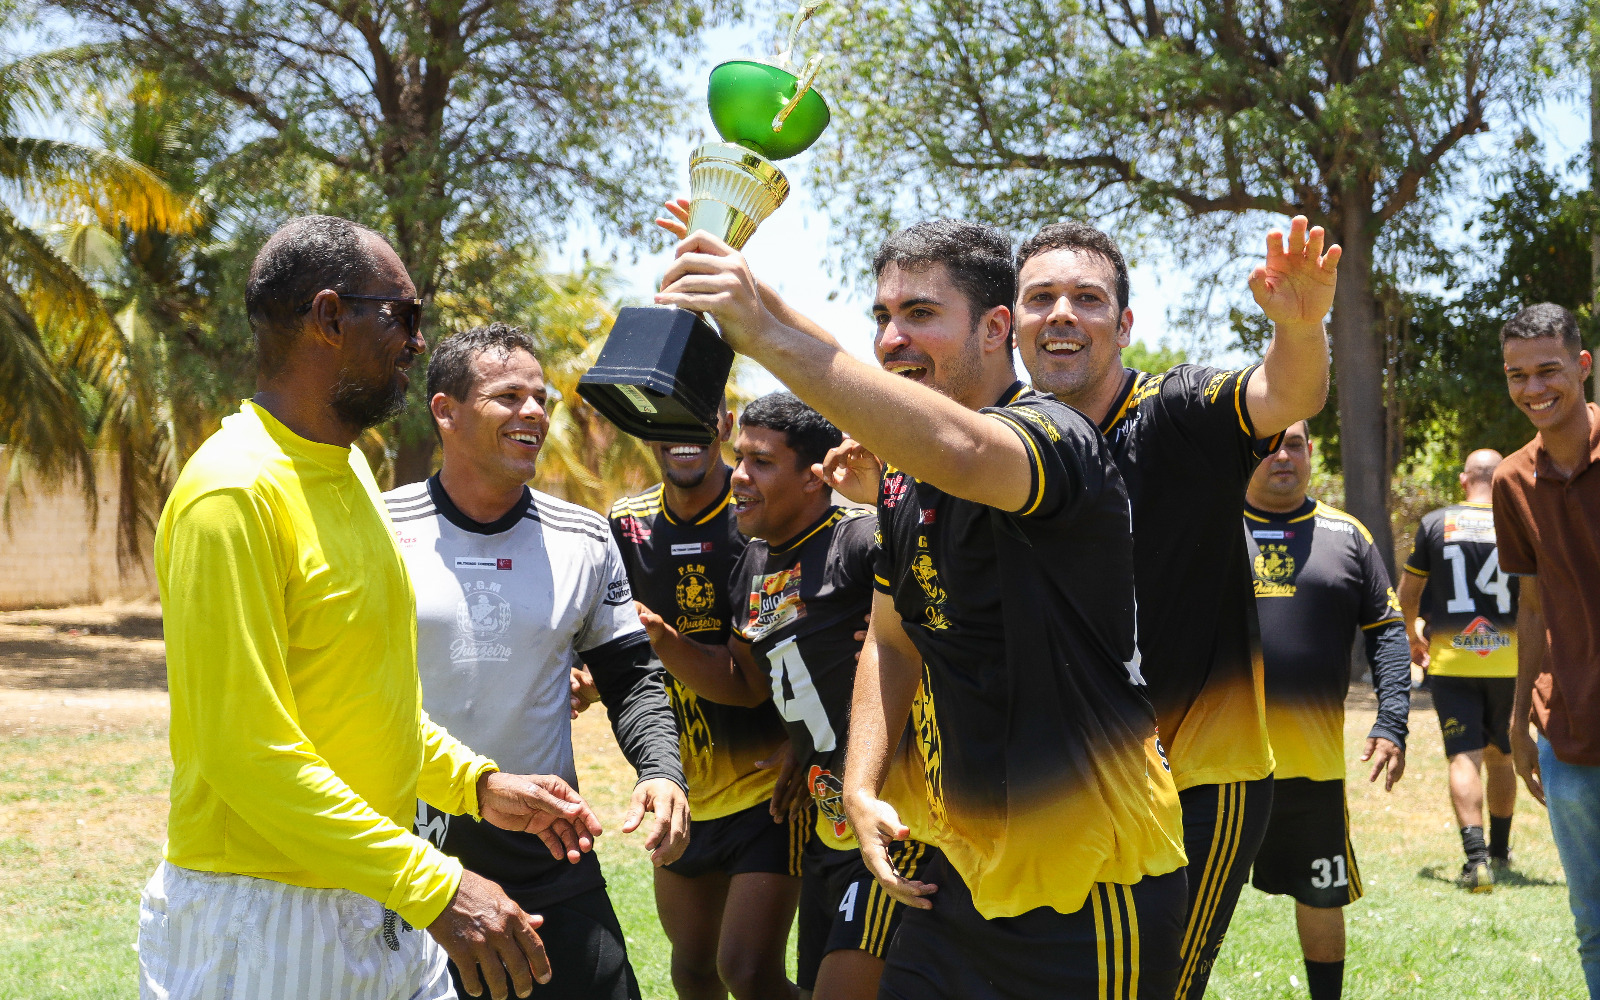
1066,454
890,492
1390,657
635,696
1420,562
1209,403
859,551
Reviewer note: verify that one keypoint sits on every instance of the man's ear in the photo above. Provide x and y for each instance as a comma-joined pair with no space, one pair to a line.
444,411
1125,328
323,320
997,329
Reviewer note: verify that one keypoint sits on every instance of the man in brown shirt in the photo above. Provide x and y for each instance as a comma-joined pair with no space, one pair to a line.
1547,525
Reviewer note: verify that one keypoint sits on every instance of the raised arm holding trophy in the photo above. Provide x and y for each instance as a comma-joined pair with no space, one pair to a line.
662,371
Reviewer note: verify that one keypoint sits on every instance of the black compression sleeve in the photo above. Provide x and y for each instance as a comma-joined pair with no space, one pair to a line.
635,696
1390,657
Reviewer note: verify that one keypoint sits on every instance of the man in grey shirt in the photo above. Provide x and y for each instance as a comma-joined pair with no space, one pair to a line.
514,588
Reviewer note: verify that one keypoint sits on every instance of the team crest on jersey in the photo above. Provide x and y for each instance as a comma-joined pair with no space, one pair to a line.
774,602
1481,637
894,489
927,577
1274,572
482,619
828,791
697,598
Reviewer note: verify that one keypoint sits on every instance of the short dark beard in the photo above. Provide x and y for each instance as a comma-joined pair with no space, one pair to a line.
363,403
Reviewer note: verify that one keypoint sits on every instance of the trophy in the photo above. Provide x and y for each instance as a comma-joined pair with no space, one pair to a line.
663,369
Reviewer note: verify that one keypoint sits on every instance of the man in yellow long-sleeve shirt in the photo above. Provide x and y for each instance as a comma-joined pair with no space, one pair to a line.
299,744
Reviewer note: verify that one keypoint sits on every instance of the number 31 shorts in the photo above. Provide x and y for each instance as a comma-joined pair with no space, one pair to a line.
1307,852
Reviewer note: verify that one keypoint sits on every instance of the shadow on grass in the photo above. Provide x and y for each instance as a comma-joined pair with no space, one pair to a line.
1510,879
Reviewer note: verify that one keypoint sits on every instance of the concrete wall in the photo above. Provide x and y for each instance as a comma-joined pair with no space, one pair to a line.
51,555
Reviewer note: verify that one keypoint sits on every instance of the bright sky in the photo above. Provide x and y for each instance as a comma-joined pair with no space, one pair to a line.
791,250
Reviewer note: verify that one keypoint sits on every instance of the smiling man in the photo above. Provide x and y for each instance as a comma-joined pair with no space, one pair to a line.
299,740
514,588
1002,629
1547,527
1186,442
802,587
727,904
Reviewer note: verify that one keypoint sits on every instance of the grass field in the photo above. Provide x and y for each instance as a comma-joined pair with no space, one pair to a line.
83,777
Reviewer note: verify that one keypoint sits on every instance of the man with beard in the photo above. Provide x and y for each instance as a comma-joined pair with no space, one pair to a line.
802,587
1002,627
514,587
1186,442
299,743
727,903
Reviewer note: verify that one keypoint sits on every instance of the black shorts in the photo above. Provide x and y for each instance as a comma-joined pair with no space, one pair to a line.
745,841
1122,944
1222,830
583,941
1474,712
843,906
1307,852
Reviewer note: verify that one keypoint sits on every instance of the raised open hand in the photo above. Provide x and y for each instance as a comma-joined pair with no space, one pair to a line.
1294,285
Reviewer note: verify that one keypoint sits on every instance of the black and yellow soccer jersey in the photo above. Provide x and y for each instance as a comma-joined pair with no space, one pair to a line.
1470,603
1040,762
800,605
1186,448
679,570
1318,581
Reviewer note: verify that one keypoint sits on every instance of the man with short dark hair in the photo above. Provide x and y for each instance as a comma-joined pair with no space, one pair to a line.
802,587
1319,581
727,904
514,587
299,742
1547,527
1186,442
1002,628
1471,658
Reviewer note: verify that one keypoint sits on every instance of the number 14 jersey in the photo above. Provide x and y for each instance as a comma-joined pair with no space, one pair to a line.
799,605
1470,604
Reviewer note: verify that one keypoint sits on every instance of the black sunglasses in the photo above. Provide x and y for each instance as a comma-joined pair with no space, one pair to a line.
410,314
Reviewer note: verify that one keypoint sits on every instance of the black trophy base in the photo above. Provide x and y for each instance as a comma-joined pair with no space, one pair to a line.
660,376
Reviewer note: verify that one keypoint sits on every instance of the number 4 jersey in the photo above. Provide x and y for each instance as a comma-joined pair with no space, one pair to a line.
1471,606
799,605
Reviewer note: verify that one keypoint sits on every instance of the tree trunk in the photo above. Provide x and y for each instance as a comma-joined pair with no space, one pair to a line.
413,459
1358,365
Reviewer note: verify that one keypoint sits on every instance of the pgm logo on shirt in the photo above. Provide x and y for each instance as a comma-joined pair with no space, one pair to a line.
482,562
1480,637
482,620
690,548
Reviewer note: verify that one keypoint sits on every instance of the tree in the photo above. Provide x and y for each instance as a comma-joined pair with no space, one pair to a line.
63,360
1185,123
438,123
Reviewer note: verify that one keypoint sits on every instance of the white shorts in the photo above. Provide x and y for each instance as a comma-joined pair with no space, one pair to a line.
204,936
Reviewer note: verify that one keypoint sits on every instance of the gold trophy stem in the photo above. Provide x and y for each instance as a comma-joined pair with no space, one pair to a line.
732,191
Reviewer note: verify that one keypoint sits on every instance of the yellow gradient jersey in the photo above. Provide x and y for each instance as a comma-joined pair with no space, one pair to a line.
299,744
1041,773
1469,601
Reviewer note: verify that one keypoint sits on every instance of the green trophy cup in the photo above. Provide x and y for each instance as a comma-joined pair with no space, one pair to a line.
663,370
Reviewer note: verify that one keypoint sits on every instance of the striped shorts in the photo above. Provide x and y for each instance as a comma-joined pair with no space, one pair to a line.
205,936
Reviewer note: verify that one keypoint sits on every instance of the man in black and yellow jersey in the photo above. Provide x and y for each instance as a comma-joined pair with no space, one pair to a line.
1004,611
1470,652
1186,442
727,903
1318,581
801,591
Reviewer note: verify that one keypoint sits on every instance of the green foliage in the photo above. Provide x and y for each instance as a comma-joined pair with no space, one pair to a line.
1155,360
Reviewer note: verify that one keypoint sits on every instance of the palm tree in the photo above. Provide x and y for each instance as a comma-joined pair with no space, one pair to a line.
68,375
